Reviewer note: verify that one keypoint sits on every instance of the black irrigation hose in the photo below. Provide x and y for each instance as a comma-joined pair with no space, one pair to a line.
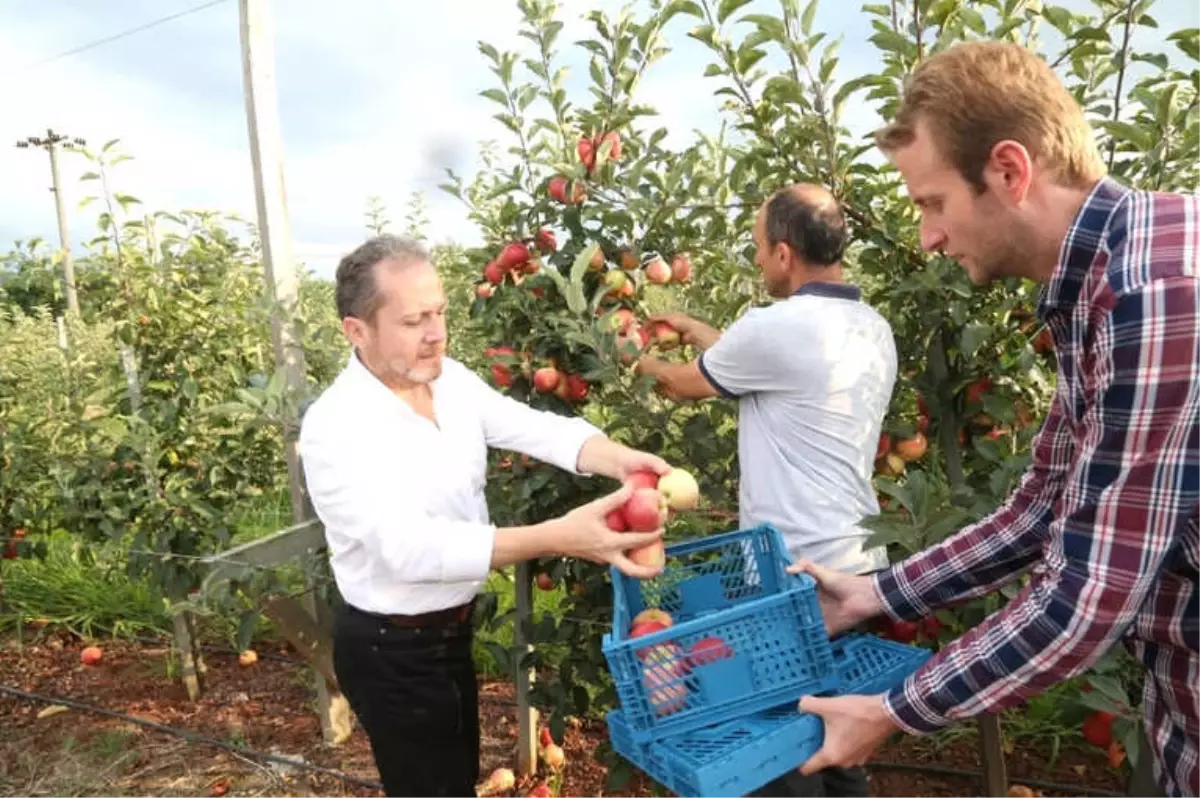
191,737
1072,789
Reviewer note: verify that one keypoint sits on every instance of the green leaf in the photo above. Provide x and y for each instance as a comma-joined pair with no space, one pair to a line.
245,630
973,336
728,7
495,95
1059,17
806,21
972,19
1099,702
89,176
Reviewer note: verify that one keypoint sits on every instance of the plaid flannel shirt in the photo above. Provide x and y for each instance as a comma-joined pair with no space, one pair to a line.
1106,516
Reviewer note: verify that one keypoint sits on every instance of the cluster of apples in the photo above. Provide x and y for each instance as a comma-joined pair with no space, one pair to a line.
568,387
632,333
665,665
648,508
891,458
517,259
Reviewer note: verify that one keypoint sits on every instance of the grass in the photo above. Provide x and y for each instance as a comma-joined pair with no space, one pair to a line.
85,589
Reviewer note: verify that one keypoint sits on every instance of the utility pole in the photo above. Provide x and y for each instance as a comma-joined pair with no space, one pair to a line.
51,143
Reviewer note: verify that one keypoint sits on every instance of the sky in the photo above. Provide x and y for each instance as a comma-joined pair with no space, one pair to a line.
376,98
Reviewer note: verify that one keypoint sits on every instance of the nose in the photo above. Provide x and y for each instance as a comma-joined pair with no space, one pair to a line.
932,238
436,333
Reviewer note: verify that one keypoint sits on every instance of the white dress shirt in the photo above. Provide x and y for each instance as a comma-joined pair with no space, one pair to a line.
402,499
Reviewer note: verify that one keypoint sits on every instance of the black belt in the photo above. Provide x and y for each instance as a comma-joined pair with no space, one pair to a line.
451,616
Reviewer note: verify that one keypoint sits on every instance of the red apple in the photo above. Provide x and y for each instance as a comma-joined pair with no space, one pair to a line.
616,282
576,388
657,271
680,490
494,273
613,139
501,375
513,255
708,650
616,521
587,152
903,631
545,241
645,510
597,261
642,479
621,320
681,268
665,336
629,259
544,582
546,379
1097,728
884,445
635,338
91,655
655,614
1044,342
557,188
545,737
931,626
976,390
647,627
485,290
912,449
540,790
500,780
652,554
532,266
554,757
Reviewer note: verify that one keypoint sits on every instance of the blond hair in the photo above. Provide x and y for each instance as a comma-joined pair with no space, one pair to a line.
975,94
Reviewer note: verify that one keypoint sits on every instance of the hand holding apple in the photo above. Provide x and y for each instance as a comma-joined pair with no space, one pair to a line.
584,533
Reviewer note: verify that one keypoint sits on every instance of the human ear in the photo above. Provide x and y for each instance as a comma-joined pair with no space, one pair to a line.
1009,170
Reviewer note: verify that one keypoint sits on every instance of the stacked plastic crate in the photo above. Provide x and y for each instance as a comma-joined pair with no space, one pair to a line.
711,657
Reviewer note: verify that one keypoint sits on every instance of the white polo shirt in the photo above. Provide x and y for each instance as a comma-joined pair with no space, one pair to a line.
814,375
402,499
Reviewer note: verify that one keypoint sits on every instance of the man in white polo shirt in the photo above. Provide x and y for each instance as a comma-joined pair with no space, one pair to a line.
813,374
394,455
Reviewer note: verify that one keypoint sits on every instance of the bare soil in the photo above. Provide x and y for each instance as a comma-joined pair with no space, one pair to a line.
267,707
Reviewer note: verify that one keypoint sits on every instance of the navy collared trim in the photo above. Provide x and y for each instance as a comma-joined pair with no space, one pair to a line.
721,389
831,290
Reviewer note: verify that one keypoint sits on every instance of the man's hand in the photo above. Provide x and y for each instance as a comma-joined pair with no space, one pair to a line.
855,725
584,533
602,455
845,599
691,331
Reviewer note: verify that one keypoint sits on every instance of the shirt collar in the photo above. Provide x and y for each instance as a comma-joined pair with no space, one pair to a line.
1081,246
831,290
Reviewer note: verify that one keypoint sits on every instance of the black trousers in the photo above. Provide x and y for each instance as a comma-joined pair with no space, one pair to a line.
829,782
415,694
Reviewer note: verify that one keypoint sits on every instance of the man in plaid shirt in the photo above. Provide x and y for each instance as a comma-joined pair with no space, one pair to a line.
1001,163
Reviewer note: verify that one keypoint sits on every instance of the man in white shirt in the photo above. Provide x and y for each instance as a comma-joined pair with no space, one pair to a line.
814,375
394,455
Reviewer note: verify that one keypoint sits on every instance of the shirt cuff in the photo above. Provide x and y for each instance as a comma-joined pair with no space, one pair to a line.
470,559
906,709
895,594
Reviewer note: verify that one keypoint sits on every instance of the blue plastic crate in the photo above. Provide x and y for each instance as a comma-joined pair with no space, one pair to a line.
731,758
867,665
764,626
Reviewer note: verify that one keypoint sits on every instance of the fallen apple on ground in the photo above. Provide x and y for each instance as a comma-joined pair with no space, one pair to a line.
248,657
554,756
91,655
500,780
540,790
